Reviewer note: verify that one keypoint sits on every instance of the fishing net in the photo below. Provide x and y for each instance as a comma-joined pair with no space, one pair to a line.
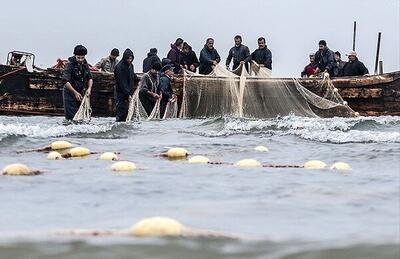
85,111
171,111
136,110
254,94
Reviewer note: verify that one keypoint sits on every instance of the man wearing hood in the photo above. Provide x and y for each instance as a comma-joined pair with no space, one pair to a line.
151,59
354,67
149,84
165,88
209,57
125,79
76,78
262,55
175,55
108,64
239,53
324,59
189,58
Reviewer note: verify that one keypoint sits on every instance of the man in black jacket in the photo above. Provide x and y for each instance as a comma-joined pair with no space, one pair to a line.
189,58
337,71
165,88
149,92
151,59
324,59
262,55
240,53
209,57
175,55
76,77
125,79
354,67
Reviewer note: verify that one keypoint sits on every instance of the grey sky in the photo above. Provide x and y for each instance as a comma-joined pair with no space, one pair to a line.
292,28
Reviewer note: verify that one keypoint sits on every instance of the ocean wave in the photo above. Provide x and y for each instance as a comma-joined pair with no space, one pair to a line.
333,130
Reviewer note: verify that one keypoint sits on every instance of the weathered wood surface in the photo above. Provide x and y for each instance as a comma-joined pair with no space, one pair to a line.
41,92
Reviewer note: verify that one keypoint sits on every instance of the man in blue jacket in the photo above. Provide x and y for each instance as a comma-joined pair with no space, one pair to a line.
262,55
209,57
165,87
324,59
239,53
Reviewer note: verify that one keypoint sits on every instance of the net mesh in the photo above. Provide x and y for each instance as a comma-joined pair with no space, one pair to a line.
254,94
84,112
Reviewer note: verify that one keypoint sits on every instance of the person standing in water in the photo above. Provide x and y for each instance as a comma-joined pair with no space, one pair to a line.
76,78
125,79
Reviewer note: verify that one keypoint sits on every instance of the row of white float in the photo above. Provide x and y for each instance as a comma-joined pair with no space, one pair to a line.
173,153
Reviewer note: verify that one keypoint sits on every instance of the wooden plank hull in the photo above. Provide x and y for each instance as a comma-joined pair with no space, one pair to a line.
41,92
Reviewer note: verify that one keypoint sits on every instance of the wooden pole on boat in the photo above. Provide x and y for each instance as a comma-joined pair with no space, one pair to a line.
378,47
380,67
354,35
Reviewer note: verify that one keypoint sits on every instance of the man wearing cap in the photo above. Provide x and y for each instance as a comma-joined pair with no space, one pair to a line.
354,67
209,57
165,87
125,79
310,69
149,92
324,59
150,60
337,71
108,64
239,53
76,77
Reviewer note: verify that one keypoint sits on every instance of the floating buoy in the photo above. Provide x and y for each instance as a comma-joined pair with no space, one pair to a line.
199,160
344,103
54,155
109,156
314,164
248,163
79,152
261,149
61,144
177,152
16,169
157,227
335,90
357,114
341,166
123,166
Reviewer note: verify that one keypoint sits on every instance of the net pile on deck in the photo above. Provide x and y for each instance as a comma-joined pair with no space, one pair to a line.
254,94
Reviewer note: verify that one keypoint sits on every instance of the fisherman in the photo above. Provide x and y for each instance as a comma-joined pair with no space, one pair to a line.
76,77
209,57
16,59
108,64
262,55
310,69
150,60
337,71
165,87
240,53
125,79
149,88
189,58
354,67
175,55
324,59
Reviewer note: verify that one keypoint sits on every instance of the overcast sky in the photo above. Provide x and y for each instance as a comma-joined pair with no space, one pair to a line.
51,28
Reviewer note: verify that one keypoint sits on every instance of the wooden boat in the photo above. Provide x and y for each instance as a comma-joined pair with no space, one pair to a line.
40,92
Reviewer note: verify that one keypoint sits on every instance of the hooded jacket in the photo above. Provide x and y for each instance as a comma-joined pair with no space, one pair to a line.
207,56
189,59
125,76
77,75
148,62
354,68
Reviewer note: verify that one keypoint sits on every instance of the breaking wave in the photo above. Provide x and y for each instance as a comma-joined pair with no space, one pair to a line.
332,130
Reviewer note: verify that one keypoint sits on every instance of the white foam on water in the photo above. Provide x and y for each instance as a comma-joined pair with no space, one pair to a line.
44,131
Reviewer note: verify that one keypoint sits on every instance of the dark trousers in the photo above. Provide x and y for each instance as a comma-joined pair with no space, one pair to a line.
122,107
71,105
